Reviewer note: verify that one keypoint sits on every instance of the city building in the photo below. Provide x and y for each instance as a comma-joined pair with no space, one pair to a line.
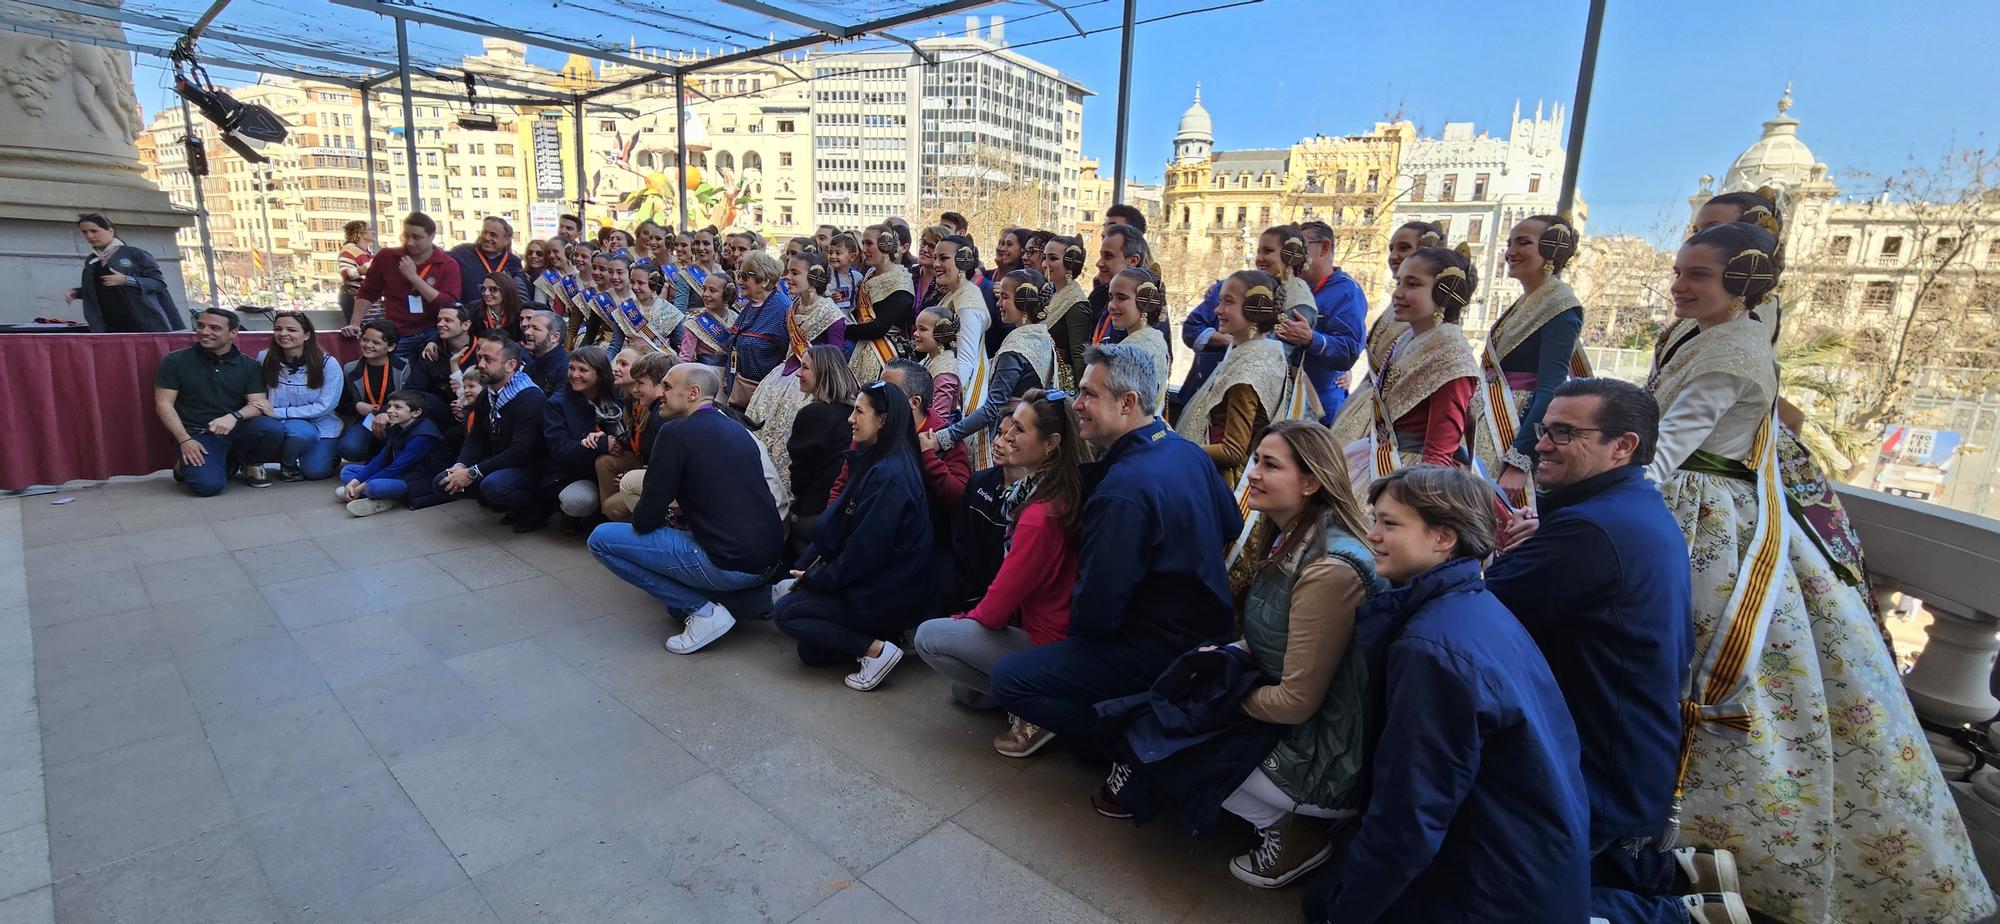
1094,195
979,129
1215,203
1478,187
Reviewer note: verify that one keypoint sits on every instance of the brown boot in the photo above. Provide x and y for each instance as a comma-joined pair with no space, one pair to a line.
1289,849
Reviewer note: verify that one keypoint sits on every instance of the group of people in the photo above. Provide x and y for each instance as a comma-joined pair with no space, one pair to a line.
1532,645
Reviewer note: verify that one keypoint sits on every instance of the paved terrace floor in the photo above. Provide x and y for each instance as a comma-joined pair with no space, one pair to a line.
257,708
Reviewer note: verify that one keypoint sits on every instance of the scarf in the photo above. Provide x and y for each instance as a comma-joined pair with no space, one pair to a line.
1013,497
519,383
806,326
103,257
1414,367
1258,363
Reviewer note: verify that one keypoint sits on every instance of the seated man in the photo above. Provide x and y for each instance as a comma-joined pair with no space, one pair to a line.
1602,584
500,462
201,393
707,465
1150,580
548,362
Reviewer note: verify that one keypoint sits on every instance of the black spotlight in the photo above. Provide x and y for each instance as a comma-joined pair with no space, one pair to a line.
246,127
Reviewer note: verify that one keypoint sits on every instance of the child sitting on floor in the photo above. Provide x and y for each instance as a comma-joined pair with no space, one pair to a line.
413,452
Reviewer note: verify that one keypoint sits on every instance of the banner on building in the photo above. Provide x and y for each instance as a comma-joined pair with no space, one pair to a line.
1914,462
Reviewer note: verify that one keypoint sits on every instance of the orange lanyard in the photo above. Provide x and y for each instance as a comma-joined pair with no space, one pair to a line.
375,396
489,267
460,359
1103,327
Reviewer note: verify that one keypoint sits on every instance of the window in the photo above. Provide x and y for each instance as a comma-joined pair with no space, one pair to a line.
1374,180
1216,181
503,171
1830,294
1218,214
1473,229
1892,247
1993,254
1479,190
787,126
1878,296
1340,182
1839,247
1535,183
606,125
1444,224
1945,249
1417,184
1450,191
784,158
784,214
1264,216
1242,214
1186,216
505,149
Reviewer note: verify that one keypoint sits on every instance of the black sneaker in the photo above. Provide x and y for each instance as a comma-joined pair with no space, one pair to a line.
510,518
290,474
1105,799
257,476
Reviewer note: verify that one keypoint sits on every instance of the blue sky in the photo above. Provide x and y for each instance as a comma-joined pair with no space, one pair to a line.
1681,87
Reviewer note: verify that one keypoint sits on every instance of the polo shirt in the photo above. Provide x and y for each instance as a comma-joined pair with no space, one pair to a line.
208,386
386,285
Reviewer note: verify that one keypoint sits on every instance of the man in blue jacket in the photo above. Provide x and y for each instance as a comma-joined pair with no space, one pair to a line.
1150,581
1602,584
1334,339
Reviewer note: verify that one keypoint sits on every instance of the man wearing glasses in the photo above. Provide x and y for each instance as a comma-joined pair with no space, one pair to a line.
1602,583
1335,339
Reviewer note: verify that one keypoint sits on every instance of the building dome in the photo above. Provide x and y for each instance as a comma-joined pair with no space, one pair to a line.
1778,159
1195,123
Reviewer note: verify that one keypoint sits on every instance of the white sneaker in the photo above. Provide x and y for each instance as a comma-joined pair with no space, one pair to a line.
704,625
340,494
780,589
369,506
876,669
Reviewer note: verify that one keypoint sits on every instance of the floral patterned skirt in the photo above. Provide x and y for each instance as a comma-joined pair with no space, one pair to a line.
1833,804
773,407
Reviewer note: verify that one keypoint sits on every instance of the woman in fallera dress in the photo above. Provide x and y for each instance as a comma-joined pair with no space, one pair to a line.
1139,301
705,337
1532,348
813,321
1408,239
1252,387
1417,408
1804,759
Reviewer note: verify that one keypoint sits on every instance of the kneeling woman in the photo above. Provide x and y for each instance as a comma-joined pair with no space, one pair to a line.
867,575
1477,811
1298,623
1253,386
1028,602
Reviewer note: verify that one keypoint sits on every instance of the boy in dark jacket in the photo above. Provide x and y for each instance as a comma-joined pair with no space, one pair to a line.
413,452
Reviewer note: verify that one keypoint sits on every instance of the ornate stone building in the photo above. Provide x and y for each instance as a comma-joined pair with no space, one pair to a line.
1478,186
1219,201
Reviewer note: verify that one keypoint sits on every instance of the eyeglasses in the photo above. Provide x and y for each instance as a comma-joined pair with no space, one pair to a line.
746,274
1561,434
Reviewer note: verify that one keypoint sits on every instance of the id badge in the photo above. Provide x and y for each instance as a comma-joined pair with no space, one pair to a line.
416,303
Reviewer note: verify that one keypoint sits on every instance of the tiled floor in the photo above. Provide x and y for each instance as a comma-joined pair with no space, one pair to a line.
256,708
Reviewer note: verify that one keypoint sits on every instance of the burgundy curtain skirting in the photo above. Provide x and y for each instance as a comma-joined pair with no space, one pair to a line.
81,405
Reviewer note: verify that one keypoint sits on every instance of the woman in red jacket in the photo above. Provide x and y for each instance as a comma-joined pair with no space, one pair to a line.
1028,603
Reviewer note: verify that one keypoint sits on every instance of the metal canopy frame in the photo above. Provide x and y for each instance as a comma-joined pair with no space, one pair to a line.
381,72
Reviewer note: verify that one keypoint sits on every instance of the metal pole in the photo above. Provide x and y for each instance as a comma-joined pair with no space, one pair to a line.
1586,74
200,206
409,112
576,116
681,147
368,152
1124,100
264,211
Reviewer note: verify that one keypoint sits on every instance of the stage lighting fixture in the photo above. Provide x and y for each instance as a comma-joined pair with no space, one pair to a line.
247,128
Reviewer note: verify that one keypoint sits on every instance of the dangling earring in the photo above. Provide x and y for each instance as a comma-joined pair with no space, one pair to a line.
1736,310
1437,315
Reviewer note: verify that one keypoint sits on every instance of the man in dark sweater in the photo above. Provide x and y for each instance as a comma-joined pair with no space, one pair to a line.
548,362
728,536
500,462
493,253
1150,582
1601,583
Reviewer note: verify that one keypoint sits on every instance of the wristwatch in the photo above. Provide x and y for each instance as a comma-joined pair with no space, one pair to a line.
238,415
473,470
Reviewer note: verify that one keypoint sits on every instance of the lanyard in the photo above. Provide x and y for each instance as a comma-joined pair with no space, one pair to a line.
490,270
1103,328
375,396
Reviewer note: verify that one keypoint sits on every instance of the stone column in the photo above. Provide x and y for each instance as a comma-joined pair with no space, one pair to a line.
68,118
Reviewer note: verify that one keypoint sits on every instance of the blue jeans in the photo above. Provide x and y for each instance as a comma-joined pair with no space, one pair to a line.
358,443
292,442
507,489
209,478
383,488
1629,889
666,563
1059,685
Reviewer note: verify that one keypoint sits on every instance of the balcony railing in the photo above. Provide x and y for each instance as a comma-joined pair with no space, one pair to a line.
1951,562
